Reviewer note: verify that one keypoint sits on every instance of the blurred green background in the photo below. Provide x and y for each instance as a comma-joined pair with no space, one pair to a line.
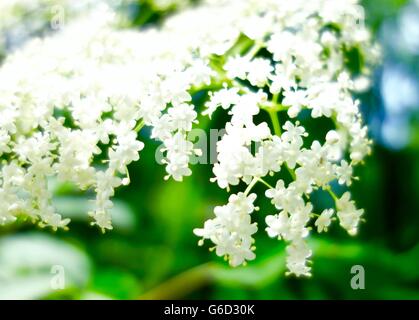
153,254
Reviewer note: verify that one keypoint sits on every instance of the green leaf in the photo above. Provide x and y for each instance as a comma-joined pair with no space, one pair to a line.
29,264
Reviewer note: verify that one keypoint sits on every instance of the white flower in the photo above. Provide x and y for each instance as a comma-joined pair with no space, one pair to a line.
178,152
296,100
125,151
335,145
347,213
258,72
293,134
270,155
182,116
237,67
344,173
200,72
298,253
224,98
324,220
106,182
278,225
283,78
246,108
277,46
163,127
231,230
287,199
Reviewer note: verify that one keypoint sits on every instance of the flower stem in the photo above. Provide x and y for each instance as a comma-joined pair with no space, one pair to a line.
250,186
275,122
332,194
275,98
265,183
139,126
292,172
254,51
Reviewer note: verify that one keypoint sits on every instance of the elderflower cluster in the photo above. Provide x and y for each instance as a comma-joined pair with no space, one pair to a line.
235,221
296,67
71,107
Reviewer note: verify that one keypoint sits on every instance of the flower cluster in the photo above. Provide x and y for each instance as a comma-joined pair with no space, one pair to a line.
296,65
73,109
66,104
235,240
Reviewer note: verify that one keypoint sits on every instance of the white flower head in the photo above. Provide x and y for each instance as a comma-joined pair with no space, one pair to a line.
324,220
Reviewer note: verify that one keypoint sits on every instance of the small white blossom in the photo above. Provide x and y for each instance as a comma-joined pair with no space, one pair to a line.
224,98
231,230
278,225
296,100
347,213
298,254
344,173
324,220
237,67
258,72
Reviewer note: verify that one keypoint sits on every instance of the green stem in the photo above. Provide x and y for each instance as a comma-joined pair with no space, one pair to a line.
332,194
292,172
265,183
251,185
274,107
275,122
139,126
275,98
254,51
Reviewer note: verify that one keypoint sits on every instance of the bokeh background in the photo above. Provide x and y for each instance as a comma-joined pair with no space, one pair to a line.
152,252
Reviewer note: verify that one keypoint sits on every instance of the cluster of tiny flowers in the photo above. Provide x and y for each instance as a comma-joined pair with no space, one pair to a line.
72,109
232,229
296,62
